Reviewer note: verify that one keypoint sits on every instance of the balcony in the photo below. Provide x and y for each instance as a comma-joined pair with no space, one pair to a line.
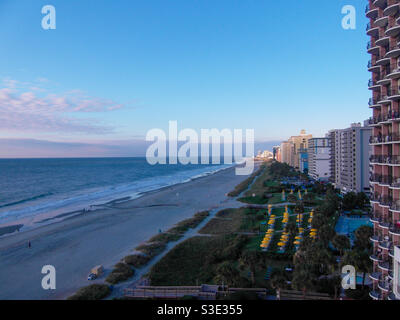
382,180
382,41
373,102
391,10
395,206
381,118
371,12
381,61
385,245
389,138
381,21
375,295
373,67
376,276
372,31
395,74
374,219
394,95
380,3
392,296
395,229
374,258
395,184
385,160
373,85
374,121
384,286
393,31
383,99
372,49
385,266
375,238
394,51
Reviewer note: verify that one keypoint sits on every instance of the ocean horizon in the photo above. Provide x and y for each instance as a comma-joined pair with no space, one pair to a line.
36,188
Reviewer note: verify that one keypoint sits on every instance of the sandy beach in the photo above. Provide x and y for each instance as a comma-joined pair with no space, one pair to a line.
76,244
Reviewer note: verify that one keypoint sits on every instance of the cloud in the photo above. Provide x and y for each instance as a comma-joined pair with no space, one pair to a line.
31,148
30,110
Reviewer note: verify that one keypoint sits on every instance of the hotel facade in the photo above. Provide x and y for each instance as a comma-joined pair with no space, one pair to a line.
294,150
319,158
349,158
384,31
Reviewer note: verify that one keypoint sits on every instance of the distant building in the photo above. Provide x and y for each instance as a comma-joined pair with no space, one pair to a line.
286,152
292,151
277,153
303,161
319,158
298,143
350,154
264,155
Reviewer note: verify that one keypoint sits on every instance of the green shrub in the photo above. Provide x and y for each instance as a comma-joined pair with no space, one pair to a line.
246,183
136,260
166,237
151,249
121,272
92,292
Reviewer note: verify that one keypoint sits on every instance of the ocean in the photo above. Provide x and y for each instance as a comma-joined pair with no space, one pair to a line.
33,188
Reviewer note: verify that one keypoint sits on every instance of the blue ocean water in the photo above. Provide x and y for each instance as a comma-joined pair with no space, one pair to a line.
30,187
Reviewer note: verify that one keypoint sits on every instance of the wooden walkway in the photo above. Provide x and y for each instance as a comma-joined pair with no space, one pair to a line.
206,292
299,295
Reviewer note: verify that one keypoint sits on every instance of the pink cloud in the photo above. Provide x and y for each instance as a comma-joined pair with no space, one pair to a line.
26,111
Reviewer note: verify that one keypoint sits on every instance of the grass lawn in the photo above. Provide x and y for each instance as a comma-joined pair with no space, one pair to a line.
235,220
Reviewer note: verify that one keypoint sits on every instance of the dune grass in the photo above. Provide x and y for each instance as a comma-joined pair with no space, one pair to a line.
246,183
121,272
92,292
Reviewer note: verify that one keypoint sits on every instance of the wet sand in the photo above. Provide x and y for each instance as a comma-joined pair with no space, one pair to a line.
78,243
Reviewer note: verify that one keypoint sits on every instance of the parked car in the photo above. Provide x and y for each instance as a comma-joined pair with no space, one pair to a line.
92,276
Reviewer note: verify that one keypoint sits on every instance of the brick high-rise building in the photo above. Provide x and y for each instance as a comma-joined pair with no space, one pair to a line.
384,30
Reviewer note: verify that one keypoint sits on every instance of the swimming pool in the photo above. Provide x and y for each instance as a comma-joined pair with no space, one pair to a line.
346,225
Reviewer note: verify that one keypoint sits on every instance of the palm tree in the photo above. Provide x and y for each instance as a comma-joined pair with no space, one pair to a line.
360,260
362,236
303,279
278,281
341,243
251,260
227,274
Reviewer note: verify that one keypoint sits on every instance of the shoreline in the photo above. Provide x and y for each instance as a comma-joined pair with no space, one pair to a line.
20,225
104,236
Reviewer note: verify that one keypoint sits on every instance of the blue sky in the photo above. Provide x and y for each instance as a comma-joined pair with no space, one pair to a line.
112,70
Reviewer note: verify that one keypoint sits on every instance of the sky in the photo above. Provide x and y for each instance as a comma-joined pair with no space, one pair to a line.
113,70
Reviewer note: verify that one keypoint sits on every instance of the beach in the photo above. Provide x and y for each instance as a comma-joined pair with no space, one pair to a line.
103,236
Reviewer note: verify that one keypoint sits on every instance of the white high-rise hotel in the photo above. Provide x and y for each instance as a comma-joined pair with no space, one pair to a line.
350,154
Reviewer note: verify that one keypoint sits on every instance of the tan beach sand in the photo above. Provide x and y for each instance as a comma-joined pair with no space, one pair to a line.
77,244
